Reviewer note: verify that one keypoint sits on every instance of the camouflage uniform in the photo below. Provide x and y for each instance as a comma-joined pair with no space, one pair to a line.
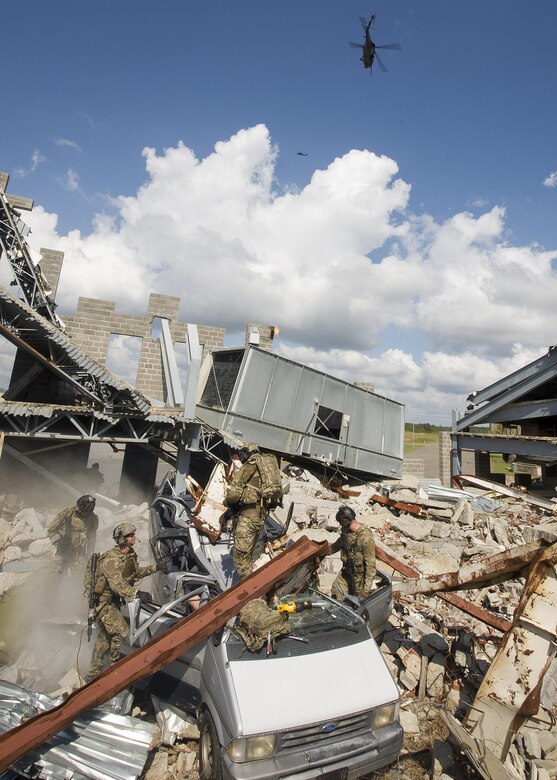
73,533
244,494
361,551
258,623
117,572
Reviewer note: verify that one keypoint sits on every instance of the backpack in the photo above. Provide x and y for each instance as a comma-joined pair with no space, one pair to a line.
271,480
258,624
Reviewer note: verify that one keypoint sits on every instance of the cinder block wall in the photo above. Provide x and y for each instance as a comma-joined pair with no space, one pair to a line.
414,466
51,265
92,326
96,320
445,458
266,335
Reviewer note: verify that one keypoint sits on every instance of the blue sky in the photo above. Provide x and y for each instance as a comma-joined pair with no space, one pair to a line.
465,115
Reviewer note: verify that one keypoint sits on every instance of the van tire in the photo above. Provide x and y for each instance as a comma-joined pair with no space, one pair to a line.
210,767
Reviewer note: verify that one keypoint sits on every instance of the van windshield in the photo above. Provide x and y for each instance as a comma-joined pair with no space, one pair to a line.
312,613
315,624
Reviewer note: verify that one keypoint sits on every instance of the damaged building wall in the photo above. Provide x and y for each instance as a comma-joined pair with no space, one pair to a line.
96,320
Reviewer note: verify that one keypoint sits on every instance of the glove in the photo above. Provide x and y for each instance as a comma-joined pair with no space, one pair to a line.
143,596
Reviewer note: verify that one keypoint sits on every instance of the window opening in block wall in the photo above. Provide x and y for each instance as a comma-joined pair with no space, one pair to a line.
122,357
156,328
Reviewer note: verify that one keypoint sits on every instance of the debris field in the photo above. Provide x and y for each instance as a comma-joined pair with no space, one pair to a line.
459,561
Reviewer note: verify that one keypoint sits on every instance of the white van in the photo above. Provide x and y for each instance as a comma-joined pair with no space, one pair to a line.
322,702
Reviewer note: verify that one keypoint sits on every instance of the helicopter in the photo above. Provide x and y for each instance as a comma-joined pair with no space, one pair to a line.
369,49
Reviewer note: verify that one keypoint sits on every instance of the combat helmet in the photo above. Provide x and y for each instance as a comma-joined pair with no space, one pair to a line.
246,451
121,531
85,503
345,515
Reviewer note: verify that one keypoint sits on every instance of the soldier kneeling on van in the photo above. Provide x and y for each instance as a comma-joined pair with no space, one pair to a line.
117,571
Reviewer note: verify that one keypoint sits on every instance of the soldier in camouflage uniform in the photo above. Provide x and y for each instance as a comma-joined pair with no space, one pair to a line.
243,497
73,532
117,572
357,551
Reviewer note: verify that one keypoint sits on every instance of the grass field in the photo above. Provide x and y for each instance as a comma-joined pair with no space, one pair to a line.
415,439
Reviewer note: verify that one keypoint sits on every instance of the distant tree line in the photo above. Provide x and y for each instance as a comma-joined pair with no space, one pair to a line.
431,428
425,427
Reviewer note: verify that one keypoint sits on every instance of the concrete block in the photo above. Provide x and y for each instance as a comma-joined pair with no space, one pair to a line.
409,722
413,528
436,676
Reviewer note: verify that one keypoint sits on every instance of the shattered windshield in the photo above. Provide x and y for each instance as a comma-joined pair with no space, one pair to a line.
313,624
312,613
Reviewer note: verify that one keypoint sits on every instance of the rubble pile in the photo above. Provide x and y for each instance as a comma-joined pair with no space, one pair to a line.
437,653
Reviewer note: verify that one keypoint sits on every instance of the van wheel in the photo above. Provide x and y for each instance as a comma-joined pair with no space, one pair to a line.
210,767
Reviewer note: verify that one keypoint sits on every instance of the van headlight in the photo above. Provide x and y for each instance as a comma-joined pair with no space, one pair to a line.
385,715
245,749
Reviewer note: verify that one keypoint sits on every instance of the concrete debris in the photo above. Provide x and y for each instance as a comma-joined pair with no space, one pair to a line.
437,652
459,560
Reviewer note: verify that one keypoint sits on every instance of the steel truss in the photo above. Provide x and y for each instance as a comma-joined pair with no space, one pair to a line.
53,350
28,276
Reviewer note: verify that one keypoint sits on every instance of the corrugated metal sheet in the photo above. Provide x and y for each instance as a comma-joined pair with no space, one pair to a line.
44,329
100,744
25,409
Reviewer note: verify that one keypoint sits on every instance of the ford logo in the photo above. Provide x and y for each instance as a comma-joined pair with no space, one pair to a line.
329,727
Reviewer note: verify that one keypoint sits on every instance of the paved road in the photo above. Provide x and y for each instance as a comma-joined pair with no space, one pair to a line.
429,453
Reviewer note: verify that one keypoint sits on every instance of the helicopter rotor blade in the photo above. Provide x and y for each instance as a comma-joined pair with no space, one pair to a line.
363,21
355,45
392,46
381,63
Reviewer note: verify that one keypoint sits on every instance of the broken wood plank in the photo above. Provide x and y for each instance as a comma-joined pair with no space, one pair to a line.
457,601
161,651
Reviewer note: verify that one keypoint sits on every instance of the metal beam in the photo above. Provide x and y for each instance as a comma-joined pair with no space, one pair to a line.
527,372
493,569
513,393
175,396
154,656
192,384
525,410
518,445
30,464
457,601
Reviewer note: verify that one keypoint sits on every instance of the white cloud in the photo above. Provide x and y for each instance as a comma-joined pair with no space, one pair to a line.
70,181
36,159
478,203
551,180
67,142
216,232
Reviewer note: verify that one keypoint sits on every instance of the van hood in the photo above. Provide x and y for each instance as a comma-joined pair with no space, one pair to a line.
278,693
